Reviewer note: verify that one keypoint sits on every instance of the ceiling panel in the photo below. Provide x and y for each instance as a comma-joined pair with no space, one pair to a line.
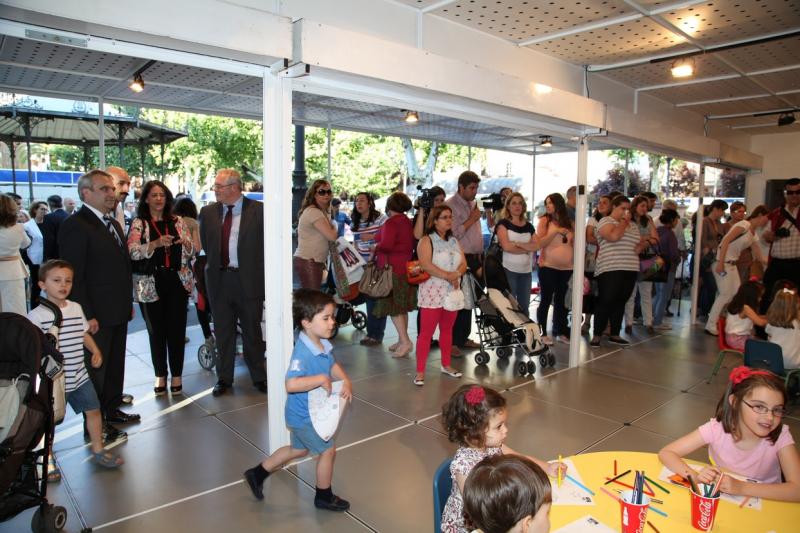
753,105
517,20
699,92
766,55
788,80
194,77
612,44
41,80
419,4
721,21
659,73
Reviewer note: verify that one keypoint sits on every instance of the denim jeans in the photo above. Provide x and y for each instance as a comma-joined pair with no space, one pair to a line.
520,285
663,297
375,326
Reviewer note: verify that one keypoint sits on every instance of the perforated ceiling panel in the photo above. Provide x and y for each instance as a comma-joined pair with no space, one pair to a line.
788,80
767,55
42,80
194,77
612,44
719,21
753,105
651,74
708,91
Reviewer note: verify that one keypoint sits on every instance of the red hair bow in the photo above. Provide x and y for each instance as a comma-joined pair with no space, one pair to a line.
475,395
741,373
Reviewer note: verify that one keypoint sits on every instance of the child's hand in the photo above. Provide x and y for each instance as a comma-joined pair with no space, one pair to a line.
731,485
326,383
97,359
553,468
347,391
707,475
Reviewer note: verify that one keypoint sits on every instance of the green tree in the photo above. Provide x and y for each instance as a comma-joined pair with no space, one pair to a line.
615,181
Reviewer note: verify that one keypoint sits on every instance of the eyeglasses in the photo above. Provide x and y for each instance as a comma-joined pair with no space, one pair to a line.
444,217
324,192
791,193
777,412
217,187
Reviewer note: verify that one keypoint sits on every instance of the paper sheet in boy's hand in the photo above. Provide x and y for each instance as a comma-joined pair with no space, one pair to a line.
326,410
587,523
752,503
569,493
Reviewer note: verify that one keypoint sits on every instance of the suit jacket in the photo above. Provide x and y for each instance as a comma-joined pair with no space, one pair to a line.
103,282
50,226
250,246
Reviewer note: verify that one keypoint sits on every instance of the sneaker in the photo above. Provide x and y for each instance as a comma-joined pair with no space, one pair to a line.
616,339
547,340
369,341
255,487
663,327
334,504
595,341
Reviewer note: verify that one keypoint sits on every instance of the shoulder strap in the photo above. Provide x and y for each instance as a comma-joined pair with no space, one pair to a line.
790,218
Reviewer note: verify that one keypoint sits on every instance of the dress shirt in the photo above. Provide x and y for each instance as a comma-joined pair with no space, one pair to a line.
471,240
233,249
36,249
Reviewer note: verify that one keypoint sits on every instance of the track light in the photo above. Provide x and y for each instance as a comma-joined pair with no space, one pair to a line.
785,119
137,83
545,141
412,117
682,68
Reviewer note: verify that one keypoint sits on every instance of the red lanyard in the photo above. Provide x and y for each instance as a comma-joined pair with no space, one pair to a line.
167,251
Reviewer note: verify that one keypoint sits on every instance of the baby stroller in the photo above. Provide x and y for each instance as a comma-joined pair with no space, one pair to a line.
26,415
345,310
207,352
503,326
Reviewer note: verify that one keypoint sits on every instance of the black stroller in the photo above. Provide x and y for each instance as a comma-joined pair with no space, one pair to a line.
503,326
345,311
25,354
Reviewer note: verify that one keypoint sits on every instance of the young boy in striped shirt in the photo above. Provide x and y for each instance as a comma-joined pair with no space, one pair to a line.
55,279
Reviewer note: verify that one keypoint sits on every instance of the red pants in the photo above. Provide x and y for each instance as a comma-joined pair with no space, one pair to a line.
430,318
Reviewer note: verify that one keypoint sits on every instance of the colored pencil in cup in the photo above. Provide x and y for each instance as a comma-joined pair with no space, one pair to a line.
558,466
692,483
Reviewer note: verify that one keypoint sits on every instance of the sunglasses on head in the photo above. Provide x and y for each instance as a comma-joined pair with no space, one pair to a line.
324,192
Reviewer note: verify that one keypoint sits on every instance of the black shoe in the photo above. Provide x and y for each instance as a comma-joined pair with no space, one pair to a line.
595,341
261,386
668,313
220,388
434,343
121,417
110,434
616,339
127,399
255,486
334,504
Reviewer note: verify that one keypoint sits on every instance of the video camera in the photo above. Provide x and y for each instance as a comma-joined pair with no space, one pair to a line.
424,199
494,202
782,233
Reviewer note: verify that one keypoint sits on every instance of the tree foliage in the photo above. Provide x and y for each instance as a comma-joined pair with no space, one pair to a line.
615,181
731,183
682,181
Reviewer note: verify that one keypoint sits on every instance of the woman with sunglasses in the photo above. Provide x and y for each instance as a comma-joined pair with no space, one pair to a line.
315,229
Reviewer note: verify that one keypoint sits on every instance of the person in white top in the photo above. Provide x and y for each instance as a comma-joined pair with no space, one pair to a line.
35,252
783,328
518,240
12,269
742,235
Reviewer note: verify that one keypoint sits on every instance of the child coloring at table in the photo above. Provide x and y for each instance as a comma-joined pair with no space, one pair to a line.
312,365
746,437
742,314
508,493
475,418
783,328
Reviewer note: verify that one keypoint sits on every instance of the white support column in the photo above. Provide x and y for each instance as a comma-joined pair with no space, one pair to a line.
101,124
580,253
698,247
533,185
278,247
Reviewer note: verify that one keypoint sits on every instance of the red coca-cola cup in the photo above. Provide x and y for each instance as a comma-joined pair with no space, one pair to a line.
704,510
633,515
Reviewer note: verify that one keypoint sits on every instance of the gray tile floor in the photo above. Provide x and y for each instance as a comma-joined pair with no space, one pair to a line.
185,459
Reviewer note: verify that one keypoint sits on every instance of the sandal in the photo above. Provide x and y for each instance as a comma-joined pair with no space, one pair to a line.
401,353
176,389
53,473
107,459
160,390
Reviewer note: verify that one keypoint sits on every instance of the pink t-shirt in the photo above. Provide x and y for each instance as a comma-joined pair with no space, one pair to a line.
761,463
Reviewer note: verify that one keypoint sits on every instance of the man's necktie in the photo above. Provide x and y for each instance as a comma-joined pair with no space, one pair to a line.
112,230
227,222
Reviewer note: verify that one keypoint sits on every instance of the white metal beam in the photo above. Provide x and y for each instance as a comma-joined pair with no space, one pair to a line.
580,252
736,98
696,81
751,113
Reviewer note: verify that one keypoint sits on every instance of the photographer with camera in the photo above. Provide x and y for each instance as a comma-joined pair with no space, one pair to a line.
784,236
426,200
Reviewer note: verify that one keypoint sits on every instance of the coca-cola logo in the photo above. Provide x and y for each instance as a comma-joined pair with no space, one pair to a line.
705,507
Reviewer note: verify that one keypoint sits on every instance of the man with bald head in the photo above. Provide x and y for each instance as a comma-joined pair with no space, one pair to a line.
122,185
232,234
94,244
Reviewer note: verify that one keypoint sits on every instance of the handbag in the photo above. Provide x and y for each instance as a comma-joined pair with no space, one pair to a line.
414,273
376,282
652,266
468,283
344,289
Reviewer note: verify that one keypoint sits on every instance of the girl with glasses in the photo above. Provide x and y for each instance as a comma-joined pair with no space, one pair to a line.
315,229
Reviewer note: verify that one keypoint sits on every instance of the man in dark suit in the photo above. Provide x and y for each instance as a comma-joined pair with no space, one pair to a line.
94,243
50,225
232,234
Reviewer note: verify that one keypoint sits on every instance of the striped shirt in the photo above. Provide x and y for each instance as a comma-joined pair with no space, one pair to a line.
365,248
617,255
70,339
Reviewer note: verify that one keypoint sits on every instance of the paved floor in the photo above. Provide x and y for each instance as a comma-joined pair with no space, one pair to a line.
185,459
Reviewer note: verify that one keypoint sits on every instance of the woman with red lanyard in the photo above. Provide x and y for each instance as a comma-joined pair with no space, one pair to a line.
161,247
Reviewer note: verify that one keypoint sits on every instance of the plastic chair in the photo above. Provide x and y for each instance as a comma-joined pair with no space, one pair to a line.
723,348
768,356
442,485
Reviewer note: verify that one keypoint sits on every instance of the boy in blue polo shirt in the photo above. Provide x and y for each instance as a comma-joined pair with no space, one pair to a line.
312,366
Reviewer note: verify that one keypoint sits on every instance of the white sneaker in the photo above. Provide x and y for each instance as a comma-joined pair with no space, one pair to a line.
547,340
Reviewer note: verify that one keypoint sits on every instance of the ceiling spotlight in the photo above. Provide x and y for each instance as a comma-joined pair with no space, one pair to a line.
785,119
137,83
682,68
545,141
412,117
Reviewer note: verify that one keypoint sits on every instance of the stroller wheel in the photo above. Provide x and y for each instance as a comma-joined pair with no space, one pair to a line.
531,368
551,359
52,519
502,352
481,358
359,320
207,355
543,360
522,368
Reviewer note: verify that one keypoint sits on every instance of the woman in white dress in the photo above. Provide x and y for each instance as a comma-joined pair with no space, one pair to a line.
12,269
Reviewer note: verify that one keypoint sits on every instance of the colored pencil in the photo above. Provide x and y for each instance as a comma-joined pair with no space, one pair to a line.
615,467
649,523
654,500
578,483
656,484
658,511
621,484
715,489
616,477
558,466
692,483
610,494
646,484
744,502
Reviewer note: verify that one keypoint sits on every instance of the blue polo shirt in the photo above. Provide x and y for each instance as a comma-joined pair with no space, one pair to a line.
307,360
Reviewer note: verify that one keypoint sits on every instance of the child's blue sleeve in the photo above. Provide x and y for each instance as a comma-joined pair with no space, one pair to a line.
297,364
